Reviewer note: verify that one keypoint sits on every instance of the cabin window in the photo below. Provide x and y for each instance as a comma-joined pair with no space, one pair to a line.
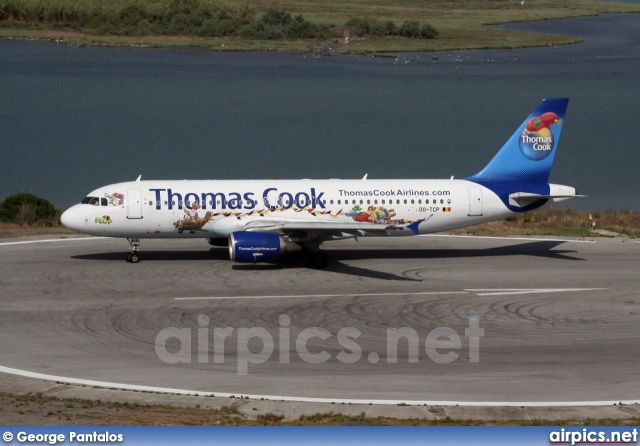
158,203
441,201
419,201
150,203
405,201
166,203
188,203
331,202
375,201
449,201
411,201
361,202
180,203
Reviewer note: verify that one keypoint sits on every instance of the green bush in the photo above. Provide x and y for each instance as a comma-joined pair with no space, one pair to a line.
277,23
367,26
27,207
428,31
276,17
410,28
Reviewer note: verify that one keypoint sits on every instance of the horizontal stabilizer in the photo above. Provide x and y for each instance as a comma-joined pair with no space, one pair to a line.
525,198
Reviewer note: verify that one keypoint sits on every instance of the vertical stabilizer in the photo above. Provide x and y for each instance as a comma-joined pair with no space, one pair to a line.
528,155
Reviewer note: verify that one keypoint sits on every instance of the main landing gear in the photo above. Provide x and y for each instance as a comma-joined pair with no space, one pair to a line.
133,256
315,257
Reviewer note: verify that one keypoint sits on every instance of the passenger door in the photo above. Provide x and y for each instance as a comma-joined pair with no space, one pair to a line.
475,201
134,204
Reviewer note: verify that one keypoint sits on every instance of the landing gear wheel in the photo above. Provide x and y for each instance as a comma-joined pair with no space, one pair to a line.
317,259
133,256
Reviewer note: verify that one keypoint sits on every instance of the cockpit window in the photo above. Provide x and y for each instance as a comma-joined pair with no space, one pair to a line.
91,200
104,202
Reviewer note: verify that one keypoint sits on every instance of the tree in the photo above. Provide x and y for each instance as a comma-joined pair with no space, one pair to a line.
15,205
410,28
428,31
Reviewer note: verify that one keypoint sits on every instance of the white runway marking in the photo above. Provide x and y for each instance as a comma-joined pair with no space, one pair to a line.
79,239
513,291
508,238
426,293
110,385
479,292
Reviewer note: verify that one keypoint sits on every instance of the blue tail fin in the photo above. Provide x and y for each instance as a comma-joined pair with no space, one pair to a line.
528,155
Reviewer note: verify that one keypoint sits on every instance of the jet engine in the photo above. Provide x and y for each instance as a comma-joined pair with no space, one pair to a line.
253,247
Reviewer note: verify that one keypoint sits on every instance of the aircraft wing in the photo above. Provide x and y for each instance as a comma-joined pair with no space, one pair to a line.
328,227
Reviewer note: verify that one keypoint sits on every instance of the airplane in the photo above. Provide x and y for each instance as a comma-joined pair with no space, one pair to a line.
260,220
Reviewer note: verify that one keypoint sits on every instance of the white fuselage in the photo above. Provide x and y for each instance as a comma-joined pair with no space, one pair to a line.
214,209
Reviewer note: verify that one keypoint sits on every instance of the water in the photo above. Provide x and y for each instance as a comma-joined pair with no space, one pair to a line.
73,119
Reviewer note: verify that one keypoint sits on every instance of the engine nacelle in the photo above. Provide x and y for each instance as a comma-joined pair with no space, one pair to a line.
219,241
252,247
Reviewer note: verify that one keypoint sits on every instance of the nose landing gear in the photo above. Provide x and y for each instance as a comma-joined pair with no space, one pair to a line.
133,256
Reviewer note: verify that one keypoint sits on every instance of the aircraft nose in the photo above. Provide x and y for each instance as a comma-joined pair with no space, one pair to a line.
70,218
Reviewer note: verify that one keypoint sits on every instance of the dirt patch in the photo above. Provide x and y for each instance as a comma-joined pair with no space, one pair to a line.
40,410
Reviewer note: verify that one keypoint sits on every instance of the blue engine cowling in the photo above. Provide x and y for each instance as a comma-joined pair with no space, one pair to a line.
252,247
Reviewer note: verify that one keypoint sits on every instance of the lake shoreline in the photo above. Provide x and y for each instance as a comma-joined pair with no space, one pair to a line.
380,46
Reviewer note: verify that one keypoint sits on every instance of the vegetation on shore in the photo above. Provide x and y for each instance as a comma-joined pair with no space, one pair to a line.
200,18
38,409
295,25
25,214
203,18
411,29
26,209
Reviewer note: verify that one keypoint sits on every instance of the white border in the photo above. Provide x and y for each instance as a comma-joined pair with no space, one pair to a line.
119,386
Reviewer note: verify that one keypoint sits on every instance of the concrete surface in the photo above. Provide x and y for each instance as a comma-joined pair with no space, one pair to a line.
560,324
